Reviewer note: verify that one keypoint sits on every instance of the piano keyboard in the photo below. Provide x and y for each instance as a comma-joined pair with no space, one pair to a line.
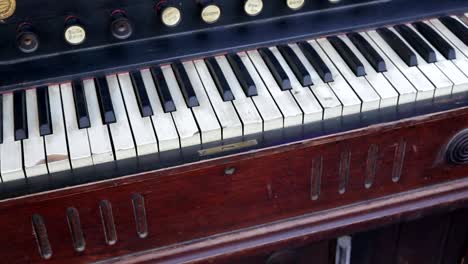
84,123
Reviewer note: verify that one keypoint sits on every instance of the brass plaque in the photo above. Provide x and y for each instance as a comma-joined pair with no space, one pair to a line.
7,8
225,148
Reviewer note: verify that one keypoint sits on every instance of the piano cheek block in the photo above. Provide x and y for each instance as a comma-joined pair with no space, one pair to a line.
457,150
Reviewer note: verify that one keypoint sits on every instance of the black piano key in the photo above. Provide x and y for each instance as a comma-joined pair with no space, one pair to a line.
243,76
43,109
105,101
403,51
277,71
20,115
81,106
143,101
314,58
219,79
185,85
436,40
371,55
457,28
296,65
1,118
163,90
415,41
348,56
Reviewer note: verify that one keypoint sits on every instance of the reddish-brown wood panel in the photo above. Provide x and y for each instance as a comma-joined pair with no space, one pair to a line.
199,200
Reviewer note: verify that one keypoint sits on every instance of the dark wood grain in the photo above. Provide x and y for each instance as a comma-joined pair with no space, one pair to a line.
192,203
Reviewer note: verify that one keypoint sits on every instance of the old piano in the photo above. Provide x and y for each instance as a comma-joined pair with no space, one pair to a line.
234,131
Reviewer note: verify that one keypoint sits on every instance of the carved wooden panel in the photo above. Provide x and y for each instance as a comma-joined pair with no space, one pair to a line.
166,207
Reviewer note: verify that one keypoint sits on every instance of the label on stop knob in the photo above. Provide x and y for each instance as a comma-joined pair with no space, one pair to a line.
75,35
211,14
253,7
295,4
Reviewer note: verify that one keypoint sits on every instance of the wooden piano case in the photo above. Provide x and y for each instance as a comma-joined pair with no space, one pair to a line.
229,207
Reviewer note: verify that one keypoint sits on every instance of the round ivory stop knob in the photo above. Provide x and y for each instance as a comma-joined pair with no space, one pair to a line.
295,4
253,7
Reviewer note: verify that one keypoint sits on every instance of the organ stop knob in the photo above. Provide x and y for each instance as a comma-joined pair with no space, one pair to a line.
74,32
27,39
210,12
295,4
253,7
170,15
121,27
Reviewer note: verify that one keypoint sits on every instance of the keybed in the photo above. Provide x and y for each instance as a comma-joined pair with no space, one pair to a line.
82,123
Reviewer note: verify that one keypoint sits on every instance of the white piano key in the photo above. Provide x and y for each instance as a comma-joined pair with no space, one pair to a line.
142,127
98,133
11,150
461,60
35,162
405,89
78,143
442,84
227,116
388,95
204,113
121,134
267,109
56,143
370,99
166,132
424,87
252,123
183,117
348,98
307,102
292,114
444,31
451,71
332,107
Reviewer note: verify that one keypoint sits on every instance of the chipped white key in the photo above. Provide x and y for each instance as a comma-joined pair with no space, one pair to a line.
142,127
332,107
451,71
121,134
388,95
442,84
204,113
78,143
370,99
183,118
99,138
227,116
56,143
33,147
166,132
251,121
424,87
307,102
348,98
11,150
405,89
